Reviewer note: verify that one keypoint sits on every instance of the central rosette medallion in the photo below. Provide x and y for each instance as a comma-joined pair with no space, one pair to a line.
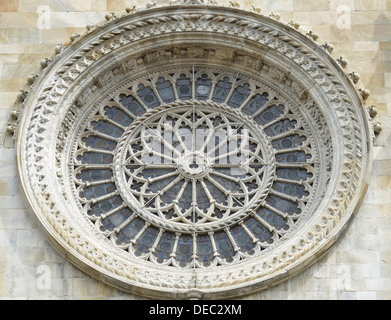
194,165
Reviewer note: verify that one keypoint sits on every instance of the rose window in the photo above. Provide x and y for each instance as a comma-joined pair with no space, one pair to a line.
193,151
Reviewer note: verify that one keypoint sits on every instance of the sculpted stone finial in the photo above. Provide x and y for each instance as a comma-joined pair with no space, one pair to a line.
364,93
313,35
256,9
342,61
130,9
151,4
192,1
328,47
355,76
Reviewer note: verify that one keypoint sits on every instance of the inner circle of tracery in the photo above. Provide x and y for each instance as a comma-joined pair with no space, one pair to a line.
195,168
124,224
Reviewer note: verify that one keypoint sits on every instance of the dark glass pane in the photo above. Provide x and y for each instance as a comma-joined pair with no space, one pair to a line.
240,94
169,214
118,116
153,173
95,158
283,205
99,143
255,103
242,239
273,219
160,184
165,90
293,174
280,127
145,242
258,230
203,85
271,113
216,193
130,231
184,251
169,196
94,175
105,206
222,89
224,246
202,198
292,157
132,105
290,189
147,95
288,142
235,172
227,184
186,199
97,191
107,128
183,85
165,245
204,249
116,219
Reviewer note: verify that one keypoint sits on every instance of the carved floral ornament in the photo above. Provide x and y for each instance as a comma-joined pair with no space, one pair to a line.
193,151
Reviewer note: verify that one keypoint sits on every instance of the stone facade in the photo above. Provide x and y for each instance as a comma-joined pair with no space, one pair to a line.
357,267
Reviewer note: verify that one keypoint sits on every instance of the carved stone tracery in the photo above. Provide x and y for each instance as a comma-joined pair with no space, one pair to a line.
70,116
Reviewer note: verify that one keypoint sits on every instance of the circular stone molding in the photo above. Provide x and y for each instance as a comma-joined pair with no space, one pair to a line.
193,150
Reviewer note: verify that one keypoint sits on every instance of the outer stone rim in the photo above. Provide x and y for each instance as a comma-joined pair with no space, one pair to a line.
321,233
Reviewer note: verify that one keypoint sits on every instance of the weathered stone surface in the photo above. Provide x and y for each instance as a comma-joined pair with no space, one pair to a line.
357,267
